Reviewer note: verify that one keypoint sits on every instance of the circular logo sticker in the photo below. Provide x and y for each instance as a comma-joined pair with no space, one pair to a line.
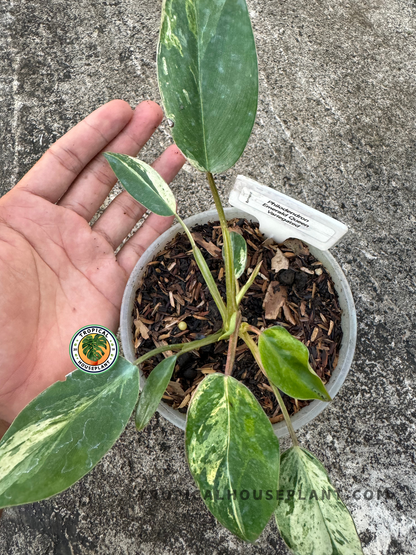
94,349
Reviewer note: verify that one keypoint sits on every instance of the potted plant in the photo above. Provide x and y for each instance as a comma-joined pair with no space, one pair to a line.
134,317
207,70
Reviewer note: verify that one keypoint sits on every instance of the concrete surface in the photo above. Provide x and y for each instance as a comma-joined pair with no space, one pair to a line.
335,128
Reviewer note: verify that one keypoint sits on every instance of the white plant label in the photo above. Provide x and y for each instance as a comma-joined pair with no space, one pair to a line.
282,217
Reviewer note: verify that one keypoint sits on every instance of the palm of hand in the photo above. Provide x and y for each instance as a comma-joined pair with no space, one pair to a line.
50,253
57,273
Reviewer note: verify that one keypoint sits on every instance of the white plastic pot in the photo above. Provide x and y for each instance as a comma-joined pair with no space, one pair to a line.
348,320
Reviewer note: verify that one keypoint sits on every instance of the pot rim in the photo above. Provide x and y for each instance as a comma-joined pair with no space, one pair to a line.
348,321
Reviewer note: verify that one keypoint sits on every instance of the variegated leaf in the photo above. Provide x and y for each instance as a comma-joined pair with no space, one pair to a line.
143,183
233,455
153,390
63,433
311,517
208,79
239,247
286,361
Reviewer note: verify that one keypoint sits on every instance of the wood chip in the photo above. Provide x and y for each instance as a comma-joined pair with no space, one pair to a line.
267,403
236,229
185,401
156,309
209,370
307,271
303,308
209,246
138,342
314,334
176,389
318,271
179,299
288,315
277,418
331,327
279,261
142,328
146,320
274,300
265,387
296,246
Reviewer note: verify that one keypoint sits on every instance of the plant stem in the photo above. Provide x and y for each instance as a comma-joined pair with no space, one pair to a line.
206,273
232,346
249,283
254,330
228,251
285,415
256,354
182,347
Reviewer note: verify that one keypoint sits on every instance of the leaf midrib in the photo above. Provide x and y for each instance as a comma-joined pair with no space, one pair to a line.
235,508
304,466
199,47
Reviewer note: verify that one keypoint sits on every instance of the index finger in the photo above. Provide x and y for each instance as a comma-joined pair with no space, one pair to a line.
60,165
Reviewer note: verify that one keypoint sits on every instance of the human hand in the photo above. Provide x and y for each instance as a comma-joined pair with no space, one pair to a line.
57,273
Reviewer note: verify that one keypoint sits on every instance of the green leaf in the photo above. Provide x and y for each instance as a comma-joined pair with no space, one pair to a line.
239,247
153,390
210,281
285,360
231,449
63,433
311,518
143,183
208,79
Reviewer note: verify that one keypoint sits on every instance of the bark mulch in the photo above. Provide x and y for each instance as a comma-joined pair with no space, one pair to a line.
293,290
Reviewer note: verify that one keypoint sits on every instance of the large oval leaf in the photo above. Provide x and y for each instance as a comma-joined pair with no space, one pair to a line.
208,79
153,390
311,517
233,455
143,183
63,433
286,361
239,248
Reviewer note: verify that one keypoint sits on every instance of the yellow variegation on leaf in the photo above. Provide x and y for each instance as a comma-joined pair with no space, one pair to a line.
63,433
311,517
233,455
208,79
